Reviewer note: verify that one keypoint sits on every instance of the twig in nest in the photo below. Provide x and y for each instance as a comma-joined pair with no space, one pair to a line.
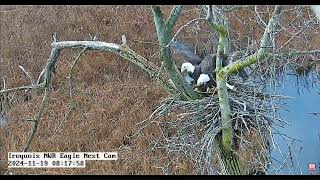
244,104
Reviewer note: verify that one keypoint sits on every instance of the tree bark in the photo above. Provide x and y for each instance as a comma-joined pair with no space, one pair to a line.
164,32
225,145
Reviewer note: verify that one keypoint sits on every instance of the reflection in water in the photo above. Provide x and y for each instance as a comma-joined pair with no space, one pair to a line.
301,145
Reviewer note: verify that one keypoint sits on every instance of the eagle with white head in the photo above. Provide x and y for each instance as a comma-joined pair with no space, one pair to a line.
201,72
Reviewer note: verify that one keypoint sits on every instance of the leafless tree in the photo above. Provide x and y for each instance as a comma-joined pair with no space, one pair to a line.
201,127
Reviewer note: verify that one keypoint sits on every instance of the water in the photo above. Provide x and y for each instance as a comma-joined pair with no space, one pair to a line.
304,127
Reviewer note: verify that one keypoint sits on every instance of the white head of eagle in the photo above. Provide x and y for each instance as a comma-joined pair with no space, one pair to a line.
203,79
187,67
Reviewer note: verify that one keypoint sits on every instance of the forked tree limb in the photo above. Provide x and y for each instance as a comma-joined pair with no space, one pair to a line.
164,32
228,160
231,162
262,53
47,80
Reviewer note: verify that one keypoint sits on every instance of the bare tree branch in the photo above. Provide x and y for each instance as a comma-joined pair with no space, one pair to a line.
258,17
49,70
236,7
71,72
22,88
37,119
182,27
27,73
296,34
262,52
164,37
122,51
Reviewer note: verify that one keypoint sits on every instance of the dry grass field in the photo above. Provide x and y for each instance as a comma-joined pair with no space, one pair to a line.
112,94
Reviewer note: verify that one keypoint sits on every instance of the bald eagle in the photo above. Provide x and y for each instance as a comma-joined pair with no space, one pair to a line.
201,72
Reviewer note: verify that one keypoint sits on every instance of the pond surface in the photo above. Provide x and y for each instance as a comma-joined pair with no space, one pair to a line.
304,126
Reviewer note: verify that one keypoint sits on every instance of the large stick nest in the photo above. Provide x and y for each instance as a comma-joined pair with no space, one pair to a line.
188,129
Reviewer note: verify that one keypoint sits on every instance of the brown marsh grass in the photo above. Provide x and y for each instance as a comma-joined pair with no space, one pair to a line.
112,94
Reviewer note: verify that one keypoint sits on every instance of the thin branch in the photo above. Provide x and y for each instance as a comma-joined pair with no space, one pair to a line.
182,27
37,119
49,70
55,132
258,15
40,76
236,7
71,72
297,53
22,88
216,14
296,34
4,84
27,73
262,52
